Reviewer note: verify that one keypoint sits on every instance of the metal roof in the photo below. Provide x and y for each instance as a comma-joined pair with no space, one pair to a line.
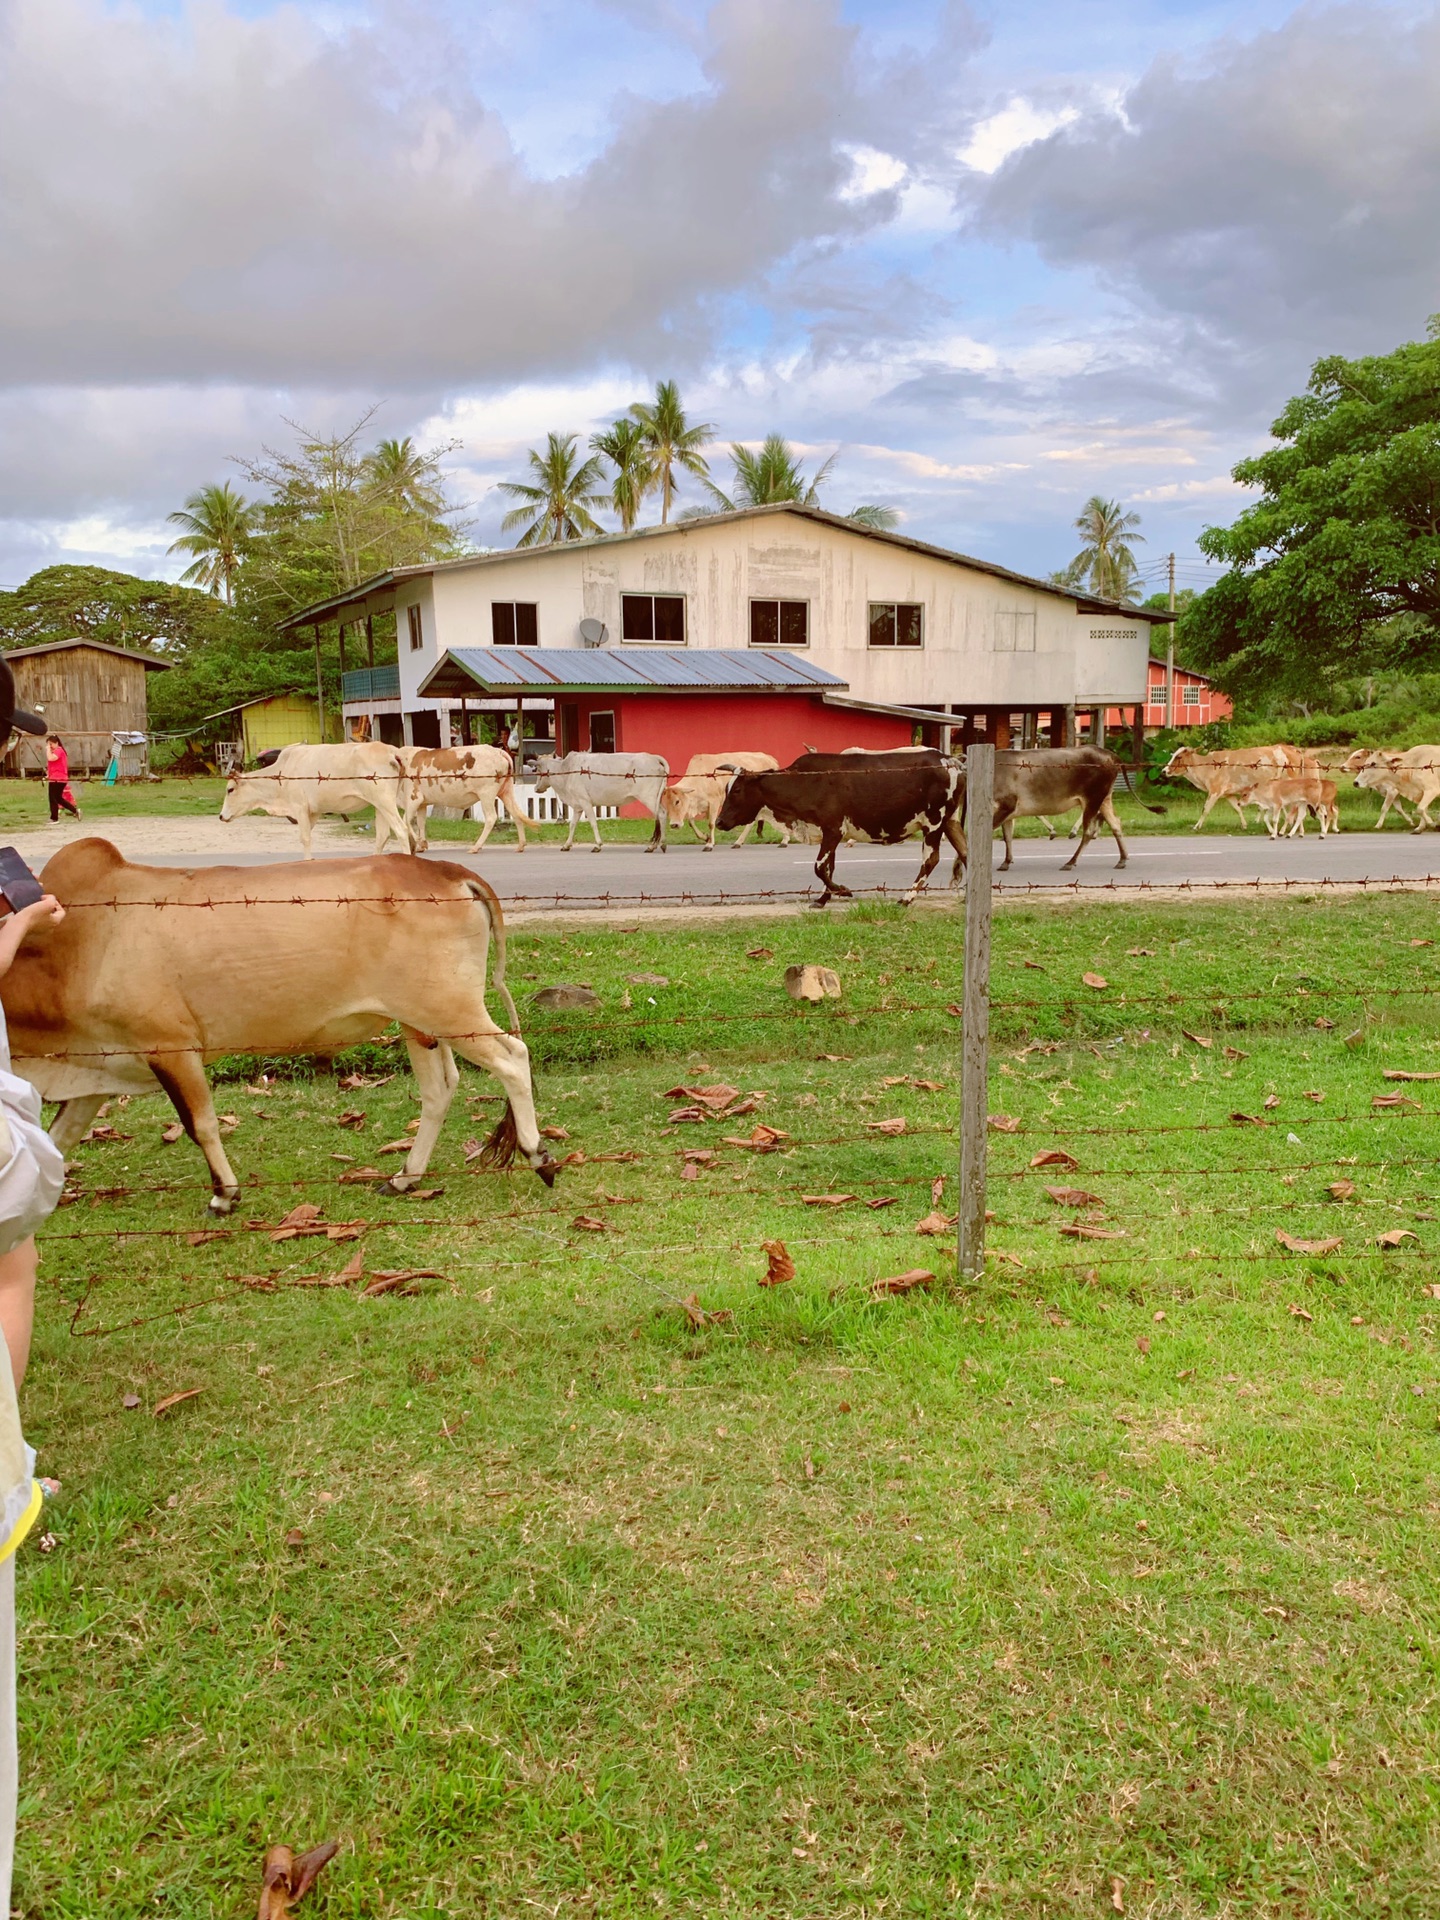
636,669
146,660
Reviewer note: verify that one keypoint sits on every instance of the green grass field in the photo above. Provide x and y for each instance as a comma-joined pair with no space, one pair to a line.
1109,1582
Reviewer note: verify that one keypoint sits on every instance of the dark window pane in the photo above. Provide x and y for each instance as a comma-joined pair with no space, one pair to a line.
882,626
502,623
907,623
764,623
637,616
602,733
527,624
417,634
794,623
670,619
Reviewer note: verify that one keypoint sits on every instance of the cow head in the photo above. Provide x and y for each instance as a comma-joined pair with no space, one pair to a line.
681,803
743,802
1182,758
251,793
546,765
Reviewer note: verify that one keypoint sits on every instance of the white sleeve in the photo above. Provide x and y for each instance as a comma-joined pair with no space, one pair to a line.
32,1168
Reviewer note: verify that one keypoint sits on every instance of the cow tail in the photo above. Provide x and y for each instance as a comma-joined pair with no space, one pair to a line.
1125,774
496,918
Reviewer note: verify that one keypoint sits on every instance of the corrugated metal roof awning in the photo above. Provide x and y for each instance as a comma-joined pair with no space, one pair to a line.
636,669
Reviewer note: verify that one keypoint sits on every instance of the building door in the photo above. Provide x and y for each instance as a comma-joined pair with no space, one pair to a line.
425,729
602,733
569,741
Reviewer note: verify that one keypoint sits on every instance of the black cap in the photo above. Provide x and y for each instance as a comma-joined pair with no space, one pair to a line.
13,718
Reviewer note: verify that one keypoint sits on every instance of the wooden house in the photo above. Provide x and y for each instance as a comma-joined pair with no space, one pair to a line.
280,720
86,692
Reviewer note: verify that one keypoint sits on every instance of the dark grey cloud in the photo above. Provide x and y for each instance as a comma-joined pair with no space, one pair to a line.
214,198
1280,195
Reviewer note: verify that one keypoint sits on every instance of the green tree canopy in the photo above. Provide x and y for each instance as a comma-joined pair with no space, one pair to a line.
1336,567
556,504
92,603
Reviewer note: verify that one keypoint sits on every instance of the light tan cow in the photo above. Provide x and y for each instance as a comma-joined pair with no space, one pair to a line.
1229,773
480,777
1285,801
302,783
700,792
157,971
1413,775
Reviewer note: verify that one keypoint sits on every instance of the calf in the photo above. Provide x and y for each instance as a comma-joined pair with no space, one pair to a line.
459,777
1229,773
584,781
885,797
1285,801
700,792
155,971
302,783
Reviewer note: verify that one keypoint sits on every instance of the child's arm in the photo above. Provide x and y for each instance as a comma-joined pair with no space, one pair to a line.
14,927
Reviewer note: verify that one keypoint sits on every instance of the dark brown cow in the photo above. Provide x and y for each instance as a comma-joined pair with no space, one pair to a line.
880,796
1044,780
157,970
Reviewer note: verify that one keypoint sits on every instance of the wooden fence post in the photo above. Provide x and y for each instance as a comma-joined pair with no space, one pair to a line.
975,1036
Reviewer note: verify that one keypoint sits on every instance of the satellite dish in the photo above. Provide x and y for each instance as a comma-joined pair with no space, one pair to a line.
592,633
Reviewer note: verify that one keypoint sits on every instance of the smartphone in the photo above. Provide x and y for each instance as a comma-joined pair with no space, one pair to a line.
18,885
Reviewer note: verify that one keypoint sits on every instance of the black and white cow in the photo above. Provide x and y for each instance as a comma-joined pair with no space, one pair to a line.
875,796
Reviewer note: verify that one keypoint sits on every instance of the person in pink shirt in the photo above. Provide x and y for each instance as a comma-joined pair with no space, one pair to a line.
57,772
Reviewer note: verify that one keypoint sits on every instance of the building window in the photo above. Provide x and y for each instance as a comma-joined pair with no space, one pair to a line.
414,628
1015,633
602,733
1190,696
779,623
657,617
514,623
894,624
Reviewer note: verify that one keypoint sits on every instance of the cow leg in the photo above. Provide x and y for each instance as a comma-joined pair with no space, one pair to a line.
955,834
572,818
73,1120
593,814
1239,806
513,808
305,821
1005,824
825,867
1112,820
390,826
487,821
657,838
506,1056
932,838
182,1075
1089,827
1205,811
436,1078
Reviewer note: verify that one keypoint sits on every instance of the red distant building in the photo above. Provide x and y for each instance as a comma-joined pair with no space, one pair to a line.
1198,701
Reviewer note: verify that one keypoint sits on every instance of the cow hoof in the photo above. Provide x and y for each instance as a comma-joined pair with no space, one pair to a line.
397,1183
547,1170
222,1203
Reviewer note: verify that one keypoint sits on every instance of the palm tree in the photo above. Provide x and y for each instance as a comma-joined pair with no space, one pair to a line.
408,477
774,477
217,524
625,446
877,518
556,506
670,441
1105,563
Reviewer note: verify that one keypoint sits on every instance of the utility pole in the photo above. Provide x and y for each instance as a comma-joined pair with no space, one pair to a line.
1170,655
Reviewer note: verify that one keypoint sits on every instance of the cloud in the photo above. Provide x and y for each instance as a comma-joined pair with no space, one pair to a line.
210,197
1015,126
1280,193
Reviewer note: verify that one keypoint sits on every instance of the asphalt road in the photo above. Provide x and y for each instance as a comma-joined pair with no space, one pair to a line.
625,875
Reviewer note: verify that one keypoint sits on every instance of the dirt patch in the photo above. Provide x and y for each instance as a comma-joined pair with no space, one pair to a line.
209,839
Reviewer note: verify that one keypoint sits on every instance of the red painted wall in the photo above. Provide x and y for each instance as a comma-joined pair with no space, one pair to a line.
681,724
1210,705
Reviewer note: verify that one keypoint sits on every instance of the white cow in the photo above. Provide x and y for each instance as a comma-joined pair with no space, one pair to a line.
1413,775
581,782
302,783
700,792
459,777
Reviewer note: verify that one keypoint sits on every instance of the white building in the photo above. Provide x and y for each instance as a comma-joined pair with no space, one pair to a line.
904,624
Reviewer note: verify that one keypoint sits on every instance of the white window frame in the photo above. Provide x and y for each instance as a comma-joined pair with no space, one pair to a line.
1190,696
415,626
893,646
1015,630
652,596
777,601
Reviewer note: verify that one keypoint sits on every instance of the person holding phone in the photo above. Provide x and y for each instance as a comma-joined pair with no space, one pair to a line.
57,772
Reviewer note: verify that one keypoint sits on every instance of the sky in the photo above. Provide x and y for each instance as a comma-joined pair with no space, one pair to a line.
995,258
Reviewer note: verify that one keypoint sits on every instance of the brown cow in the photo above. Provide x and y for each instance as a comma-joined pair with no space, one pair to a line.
1229,773
1042,780
158,970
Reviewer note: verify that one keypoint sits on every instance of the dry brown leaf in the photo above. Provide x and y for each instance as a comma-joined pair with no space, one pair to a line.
937,1190
353,1270
449,1428
686,1115
1140,953
1143,1343
885,1200
1394,1100
202,1236
1117,1893
1074,1197
587,1223
905,1282
1342,1189
554,1133
699,1316
1395,1236
227,1122
928,1086
1325,1026
1086,1230
1054,1157
895,1125
1248,1120
759,953
1003,1123
689,1171
1234,1053
287,1879
935,1223
130,1402
1198,1039
1317,1094
1297,1312
1272,1100
1306,1246
294,1538
172,1133
106,1133
398,1280
954,1008
762,1139
1422,943
353,1081
345,1229
174,1400
352,1117
779,1267
356,1177
395,1146
1096,980
1431,1291
827,1199
1398,1073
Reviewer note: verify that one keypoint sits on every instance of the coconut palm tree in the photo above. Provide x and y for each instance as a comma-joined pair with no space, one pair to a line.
774,476
625,446
671,441
409,478
556,504
1105,563
217,524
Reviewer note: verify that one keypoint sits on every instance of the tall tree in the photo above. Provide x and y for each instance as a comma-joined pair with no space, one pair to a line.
1105,565
774,477
671,441
411,480
1335,569
217,523
624,445
557,503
